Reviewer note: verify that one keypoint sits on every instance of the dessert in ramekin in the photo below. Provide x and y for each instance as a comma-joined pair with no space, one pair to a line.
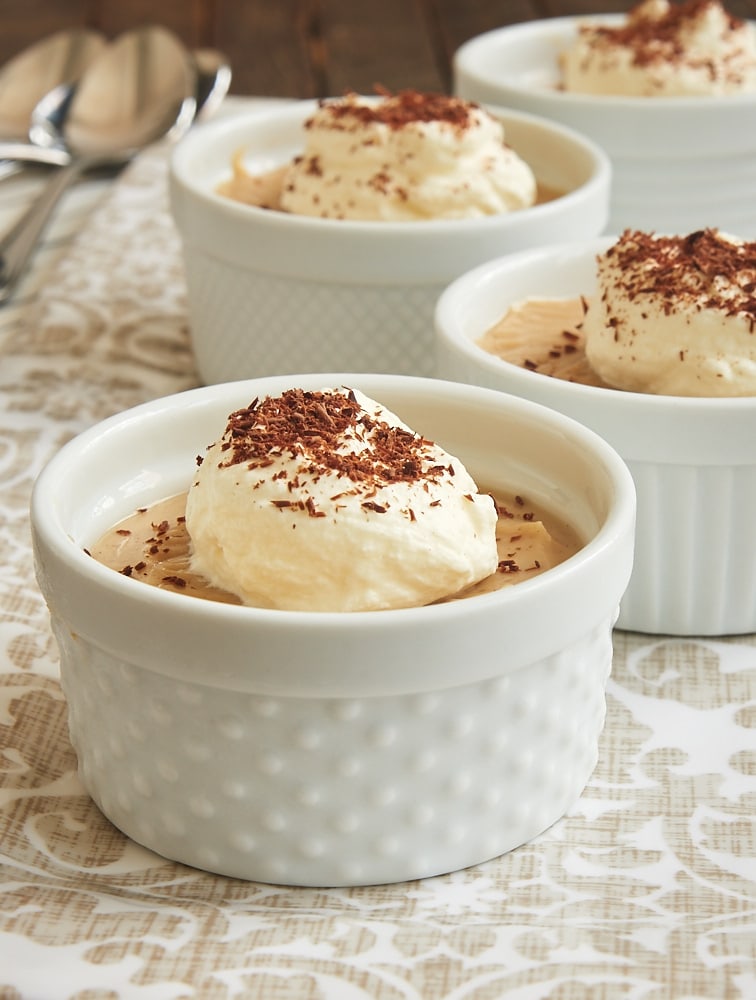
335,748
692,457
273,292
681,137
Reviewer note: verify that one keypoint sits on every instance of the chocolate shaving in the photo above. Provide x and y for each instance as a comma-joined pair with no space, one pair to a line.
660,40
377,507
398,110
508,566
311,428
702,269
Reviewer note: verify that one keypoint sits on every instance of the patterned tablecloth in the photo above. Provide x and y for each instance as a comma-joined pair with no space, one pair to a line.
647,889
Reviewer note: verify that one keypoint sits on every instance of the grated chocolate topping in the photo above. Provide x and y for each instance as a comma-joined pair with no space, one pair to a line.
398,110
703,270
661,39
329,433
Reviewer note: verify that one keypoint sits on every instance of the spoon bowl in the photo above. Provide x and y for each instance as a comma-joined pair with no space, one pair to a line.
58,59
45,145
139,89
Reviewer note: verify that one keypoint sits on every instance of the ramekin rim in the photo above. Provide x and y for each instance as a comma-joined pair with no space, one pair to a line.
715,102
180,175
57,540
460,288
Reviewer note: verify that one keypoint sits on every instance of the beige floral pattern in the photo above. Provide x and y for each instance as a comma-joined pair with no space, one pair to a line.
646,890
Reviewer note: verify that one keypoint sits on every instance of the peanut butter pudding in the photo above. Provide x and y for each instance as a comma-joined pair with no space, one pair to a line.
326,501
544,335
673,315
694,48
398,157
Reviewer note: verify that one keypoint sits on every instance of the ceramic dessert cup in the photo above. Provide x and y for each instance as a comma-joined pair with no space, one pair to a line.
678,163
335,749
271,292
692,459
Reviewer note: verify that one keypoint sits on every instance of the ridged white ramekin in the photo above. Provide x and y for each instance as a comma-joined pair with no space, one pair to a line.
335,749
693,460
678,163
273,293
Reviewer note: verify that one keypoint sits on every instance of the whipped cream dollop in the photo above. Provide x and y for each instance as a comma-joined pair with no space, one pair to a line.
664,50
326,501
405,156
675,315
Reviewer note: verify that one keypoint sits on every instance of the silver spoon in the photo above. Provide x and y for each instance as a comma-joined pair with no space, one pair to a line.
213,80
139,89
26,78
44,143
56,61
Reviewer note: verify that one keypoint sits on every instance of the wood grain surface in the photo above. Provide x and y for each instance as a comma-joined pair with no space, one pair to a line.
308,48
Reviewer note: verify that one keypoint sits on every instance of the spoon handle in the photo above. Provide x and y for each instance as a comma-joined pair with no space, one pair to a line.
27,152
14,155
19,243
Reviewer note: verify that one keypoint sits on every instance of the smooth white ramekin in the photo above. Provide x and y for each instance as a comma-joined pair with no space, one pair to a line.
678,163
335,749
693,460
274,293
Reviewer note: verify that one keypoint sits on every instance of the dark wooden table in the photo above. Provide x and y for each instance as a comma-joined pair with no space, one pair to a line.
308,48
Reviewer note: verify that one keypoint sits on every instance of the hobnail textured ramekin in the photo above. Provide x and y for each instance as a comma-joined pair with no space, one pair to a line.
271,293
678,163
335,749
693,460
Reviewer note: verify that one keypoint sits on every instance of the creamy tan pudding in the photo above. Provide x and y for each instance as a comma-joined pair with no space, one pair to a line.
398,157
672,315
546,336
153,545
326,501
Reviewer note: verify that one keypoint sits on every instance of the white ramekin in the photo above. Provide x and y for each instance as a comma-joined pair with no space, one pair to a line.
273,293
678,163
693,460
335,749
